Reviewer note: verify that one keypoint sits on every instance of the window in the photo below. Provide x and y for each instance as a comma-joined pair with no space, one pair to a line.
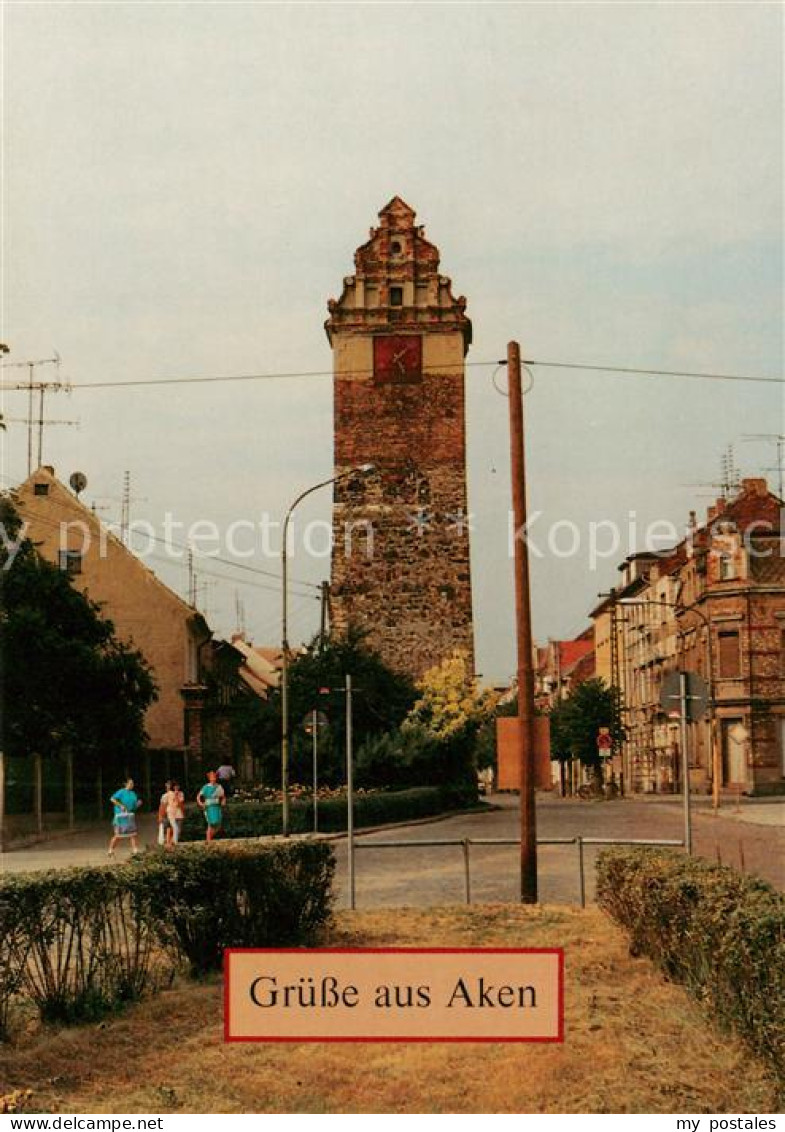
70,561
396,296
730,653
727,568
41,489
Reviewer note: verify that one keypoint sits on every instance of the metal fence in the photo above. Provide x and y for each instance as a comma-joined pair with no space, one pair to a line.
465,844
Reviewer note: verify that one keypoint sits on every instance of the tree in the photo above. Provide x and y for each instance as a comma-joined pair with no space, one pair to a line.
450,701
67,682
459,716
382,701
576,721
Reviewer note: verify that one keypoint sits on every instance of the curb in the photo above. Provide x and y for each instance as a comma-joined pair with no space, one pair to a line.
341,835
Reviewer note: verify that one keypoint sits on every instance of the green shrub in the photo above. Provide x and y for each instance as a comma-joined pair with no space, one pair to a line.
717,931
80,942
261,819
14,946
83,942
207,898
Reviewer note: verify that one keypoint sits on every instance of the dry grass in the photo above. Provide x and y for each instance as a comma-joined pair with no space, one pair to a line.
634,1043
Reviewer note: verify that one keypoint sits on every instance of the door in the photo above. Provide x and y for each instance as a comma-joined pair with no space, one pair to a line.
734,752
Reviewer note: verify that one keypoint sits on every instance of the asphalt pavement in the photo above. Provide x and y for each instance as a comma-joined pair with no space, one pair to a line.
749,835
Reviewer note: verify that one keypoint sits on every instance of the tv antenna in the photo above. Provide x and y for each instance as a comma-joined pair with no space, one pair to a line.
778,439
41,387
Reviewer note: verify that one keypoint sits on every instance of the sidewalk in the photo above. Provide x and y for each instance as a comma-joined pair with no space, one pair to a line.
88,847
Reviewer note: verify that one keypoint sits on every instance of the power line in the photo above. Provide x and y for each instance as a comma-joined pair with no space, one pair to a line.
282,375
217,378
656,372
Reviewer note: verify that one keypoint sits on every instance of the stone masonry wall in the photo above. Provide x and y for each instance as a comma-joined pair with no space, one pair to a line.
403,572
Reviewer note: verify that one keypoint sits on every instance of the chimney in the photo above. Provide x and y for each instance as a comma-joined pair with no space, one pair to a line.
721,505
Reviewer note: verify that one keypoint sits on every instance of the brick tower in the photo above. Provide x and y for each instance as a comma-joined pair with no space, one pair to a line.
400,566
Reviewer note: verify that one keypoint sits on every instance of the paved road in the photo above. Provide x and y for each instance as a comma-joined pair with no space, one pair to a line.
752,834
435,875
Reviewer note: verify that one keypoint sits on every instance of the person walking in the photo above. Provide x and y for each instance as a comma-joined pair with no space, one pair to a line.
126,802
163,821
174,806
211,798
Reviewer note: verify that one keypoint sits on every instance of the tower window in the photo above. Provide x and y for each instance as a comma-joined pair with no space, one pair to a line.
396,296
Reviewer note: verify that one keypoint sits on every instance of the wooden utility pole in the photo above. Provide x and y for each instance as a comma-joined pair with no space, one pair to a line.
350,792
523,631
325,592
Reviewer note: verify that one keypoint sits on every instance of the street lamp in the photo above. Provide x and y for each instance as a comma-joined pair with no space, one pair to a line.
362,469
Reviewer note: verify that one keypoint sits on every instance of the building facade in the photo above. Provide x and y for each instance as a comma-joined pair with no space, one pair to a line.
171,635
560,666
400,566
713,605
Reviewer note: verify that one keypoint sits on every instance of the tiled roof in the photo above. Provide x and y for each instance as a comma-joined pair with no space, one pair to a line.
570,652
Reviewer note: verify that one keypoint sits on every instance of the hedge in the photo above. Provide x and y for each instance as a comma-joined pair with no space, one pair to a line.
717,931
260,819
80,942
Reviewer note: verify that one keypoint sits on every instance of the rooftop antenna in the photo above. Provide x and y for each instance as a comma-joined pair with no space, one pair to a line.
125,508
201,593
191,579
42,387
730,472
778,439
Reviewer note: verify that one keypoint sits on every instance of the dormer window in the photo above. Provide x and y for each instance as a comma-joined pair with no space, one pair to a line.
396,296
40,489
396,247
727,568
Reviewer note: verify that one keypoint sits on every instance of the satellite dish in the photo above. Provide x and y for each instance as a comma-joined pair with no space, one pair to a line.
78,482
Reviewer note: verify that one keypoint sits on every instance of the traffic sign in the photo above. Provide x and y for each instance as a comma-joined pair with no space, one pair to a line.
317,717
697,696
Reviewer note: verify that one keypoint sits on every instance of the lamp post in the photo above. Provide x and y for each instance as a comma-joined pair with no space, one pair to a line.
680,609
362,469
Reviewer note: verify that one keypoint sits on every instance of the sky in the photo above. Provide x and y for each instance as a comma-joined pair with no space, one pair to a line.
184,187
